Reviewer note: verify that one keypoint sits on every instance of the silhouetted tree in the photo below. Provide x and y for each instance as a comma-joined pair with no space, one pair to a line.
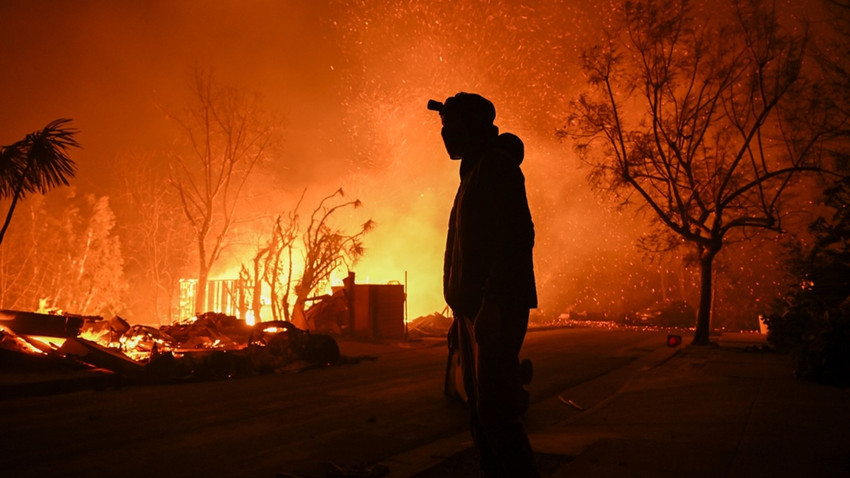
227,136
154,236
325,248
812,321
37,163
690,113
272,266
279,267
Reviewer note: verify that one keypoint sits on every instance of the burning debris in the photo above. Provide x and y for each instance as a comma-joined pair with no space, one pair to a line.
433,325
211,346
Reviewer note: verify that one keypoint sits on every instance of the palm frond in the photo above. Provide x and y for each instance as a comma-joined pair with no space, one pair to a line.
40,161
48,163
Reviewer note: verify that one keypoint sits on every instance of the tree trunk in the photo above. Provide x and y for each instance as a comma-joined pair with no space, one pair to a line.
285,301
272,271
201,292
299,318
15,198
203,272
704,313
257,285
257,299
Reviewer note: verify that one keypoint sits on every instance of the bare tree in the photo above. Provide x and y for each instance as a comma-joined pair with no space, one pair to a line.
253,279
278,270
690,114
37,163
154,234
325,248
227,136
272,266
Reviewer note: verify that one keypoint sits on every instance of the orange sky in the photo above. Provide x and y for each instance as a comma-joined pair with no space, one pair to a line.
349,80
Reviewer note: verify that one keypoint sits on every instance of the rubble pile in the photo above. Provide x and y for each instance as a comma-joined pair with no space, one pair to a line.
433,325
211,346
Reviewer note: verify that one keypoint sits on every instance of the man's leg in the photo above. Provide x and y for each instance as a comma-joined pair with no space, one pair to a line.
488,460
501,397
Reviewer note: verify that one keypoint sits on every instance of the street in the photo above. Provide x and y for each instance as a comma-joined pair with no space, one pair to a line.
388,403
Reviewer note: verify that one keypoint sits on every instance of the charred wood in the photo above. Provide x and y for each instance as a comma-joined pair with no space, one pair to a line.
32,323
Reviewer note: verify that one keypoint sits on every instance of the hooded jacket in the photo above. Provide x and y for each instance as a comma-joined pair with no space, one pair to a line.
491,235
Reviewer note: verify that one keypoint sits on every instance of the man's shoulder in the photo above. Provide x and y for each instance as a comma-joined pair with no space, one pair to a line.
500,162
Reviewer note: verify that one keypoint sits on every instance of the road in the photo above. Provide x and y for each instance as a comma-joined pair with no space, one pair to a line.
386,404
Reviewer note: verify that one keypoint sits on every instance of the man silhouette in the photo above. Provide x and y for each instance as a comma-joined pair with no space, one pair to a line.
488,279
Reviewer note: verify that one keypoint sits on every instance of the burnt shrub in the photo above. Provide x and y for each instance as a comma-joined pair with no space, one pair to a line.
817,338
812,322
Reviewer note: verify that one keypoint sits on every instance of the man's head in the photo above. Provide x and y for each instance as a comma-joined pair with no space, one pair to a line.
467,123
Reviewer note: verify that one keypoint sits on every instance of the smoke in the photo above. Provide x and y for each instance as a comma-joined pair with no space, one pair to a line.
399,54
349,81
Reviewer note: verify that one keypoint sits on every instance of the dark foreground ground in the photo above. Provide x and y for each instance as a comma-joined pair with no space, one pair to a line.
731,410
606,404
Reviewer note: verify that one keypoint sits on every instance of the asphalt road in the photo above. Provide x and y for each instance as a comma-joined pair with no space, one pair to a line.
386,404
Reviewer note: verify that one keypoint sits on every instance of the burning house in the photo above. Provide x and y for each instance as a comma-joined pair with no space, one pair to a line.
208,346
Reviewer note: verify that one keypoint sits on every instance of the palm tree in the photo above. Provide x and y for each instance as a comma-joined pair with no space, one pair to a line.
36,163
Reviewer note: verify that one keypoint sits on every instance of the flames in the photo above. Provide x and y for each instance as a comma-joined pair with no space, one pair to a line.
211,346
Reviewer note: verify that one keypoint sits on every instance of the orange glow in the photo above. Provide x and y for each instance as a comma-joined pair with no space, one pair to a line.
49,342
274,330
133,347
345,83
24,342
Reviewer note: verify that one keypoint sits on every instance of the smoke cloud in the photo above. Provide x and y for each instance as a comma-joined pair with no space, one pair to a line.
348,81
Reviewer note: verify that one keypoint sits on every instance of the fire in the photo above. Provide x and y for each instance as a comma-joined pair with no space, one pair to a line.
228,295
28,344
363,86
139,347
50,342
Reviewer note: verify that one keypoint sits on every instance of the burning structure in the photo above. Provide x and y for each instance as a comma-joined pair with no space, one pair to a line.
361,310
212,346
208,346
